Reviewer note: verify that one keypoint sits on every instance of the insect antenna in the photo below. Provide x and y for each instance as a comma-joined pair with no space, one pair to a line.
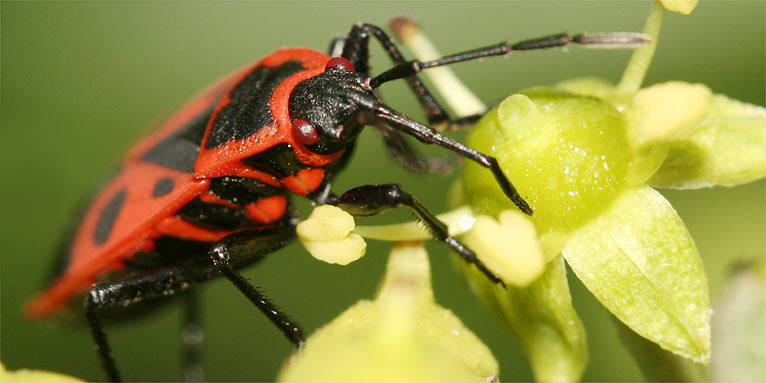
424,134
602,40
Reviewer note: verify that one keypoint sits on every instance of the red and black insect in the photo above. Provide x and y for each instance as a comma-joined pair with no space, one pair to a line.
207,192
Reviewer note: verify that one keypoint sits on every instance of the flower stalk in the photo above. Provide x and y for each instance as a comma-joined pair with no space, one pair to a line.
639,63
400,336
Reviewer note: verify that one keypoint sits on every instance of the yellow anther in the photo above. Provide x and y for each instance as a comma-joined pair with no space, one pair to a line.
326,234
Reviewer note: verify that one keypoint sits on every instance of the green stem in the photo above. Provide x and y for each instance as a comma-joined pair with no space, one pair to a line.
459,221
642,57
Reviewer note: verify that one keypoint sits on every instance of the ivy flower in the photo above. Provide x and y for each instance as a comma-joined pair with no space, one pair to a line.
587,155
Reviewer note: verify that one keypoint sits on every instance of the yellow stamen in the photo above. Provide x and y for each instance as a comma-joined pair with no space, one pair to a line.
327,235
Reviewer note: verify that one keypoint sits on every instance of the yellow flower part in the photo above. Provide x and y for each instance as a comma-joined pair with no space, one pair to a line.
670,110
327,235
508,246
34,376
683,7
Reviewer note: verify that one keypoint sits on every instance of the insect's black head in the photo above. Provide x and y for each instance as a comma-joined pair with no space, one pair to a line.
329,110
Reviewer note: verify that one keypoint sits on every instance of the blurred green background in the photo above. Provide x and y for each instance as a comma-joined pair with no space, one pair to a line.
81,79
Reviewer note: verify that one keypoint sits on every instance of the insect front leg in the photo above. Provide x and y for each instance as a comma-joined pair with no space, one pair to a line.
243,247
368,200
356,49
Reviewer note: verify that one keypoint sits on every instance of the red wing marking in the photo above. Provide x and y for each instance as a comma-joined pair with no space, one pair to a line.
130,230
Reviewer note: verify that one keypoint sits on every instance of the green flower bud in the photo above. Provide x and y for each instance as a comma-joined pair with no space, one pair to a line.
567,155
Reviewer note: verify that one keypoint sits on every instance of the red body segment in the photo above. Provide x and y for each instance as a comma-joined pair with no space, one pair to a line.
224,160
128,214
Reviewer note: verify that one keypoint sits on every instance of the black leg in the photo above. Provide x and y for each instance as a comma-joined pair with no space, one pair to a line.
408,157
234,250
371,200
227,253
100,342
192,337
465,122
132,289
355,50
385,115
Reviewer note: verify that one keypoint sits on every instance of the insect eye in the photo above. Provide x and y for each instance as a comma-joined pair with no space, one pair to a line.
304,132
339,63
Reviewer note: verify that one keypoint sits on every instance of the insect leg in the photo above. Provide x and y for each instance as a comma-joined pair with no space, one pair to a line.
409,158
368,200
356,51
244,245
463,102
396,120
192,336
100,342
132,289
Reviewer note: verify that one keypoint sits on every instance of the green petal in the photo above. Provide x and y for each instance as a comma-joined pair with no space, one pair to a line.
729,148
639,260
542,318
